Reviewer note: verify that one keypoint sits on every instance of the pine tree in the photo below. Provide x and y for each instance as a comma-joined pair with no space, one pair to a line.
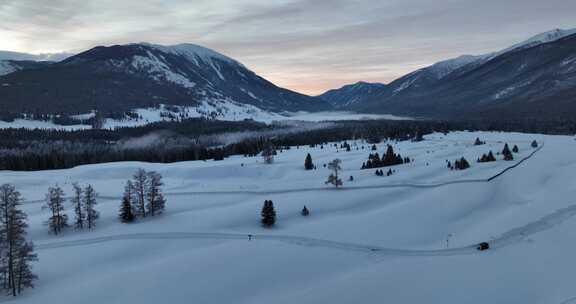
89,201
305,211
491,157
333,178
55,202
515,149
534,144
155,199
507,153
126,214
16,253
76,200
268,214
140,184
308,164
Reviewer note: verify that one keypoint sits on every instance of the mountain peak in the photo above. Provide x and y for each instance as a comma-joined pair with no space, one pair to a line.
191,51
541,38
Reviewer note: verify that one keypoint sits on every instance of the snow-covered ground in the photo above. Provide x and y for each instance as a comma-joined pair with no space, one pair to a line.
376,240
38,124
220,110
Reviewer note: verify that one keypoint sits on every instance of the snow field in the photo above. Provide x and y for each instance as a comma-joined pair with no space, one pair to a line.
196,250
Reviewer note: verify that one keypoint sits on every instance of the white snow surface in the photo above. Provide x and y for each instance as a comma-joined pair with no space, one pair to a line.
38,124
378,239
193,52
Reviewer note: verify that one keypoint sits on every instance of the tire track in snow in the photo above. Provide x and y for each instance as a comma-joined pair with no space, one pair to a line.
508,238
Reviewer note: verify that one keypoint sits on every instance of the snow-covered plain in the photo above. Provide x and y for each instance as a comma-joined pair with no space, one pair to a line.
377,240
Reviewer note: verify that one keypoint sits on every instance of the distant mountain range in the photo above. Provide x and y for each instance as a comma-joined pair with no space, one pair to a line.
125,77
6,55
532,79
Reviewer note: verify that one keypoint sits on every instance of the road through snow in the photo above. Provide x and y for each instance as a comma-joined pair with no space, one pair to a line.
506,239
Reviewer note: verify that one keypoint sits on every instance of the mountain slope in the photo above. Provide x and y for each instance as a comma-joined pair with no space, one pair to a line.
7,55
124,77
450,88
10,66
526,82
352,94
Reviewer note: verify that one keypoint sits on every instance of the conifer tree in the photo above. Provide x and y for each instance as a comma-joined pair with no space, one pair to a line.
126,214
305,211
89,201
140,184
16,253
507,153
478,142
534,144
155,199
491,157
268,214
55,203
80,216
515,149
308,164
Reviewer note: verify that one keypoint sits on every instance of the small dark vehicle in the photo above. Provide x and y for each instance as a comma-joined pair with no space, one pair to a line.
483,246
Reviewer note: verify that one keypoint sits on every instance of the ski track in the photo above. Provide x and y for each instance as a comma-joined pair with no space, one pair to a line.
508,238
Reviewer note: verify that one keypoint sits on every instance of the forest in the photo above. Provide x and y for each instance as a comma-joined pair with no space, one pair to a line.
204,139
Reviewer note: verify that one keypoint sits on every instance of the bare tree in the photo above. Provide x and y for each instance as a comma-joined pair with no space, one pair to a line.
333,178
140,184
156,201
78,208
268,153
16,253
89,200
55,202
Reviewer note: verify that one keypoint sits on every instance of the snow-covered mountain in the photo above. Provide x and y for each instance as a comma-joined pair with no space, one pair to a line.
453,86
11,66
125,77
8,55
529,82
7,67
349,95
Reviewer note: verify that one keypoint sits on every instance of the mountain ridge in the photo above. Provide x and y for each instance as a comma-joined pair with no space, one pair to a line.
124,77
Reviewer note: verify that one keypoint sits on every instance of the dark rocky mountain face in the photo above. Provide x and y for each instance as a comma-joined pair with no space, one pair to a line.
11,66
361,95
531,79
533,82
124,77
350,95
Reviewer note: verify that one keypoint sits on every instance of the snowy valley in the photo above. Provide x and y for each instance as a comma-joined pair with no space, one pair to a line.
375,238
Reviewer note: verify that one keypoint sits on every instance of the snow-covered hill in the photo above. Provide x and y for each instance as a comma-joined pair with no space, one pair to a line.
7,55
121,78
423,92
407,238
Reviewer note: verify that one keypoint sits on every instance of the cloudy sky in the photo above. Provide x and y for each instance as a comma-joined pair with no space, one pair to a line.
305,45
